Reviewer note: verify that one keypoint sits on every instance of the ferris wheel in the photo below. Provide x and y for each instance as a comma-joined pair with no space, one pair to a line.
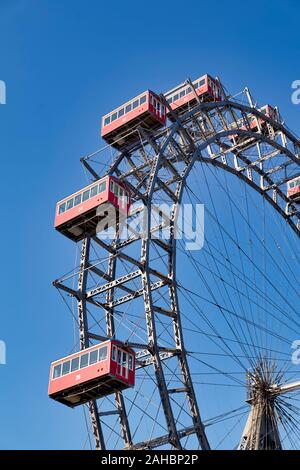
188,332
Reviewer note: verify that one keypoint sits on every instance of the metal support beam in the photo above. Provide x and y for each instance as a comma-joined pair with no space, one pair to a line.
84,338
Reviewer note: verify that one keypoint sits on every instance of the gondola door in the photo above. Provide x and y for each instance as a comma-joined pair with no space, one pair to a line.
122,364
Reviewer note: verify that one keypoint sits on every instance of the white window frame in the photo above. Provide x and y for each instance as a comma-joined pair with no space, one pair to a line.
56,365
87,362
105,358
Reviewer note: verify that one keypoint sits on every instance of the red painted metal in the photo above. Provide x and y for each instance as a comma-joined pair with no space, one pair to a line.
76,216
181,97
255,123
119,126
269,111
113,371
294,188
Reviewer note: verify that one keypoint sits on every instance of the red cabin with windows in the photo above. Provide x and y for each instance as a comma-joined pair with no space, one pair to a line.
183,96
257,123
294,189
270,112
118,127
92,373
77,215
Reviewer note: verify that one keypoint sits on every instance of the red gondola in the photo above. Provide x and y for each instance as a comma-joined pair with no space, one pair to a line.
183,96
294,189
92,373
119,126
270,112
76,216
257,123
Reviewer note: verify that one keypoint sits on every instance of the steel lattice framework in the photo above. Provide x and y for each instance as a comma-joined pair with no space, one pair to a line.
156,169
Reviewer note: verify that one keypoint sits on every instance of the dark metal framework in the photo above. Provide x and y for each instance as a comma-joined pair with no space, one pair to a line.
157,169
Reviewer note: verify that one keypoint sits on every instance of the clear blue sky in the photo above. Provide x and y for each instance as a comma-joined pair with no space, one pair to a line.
65,63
